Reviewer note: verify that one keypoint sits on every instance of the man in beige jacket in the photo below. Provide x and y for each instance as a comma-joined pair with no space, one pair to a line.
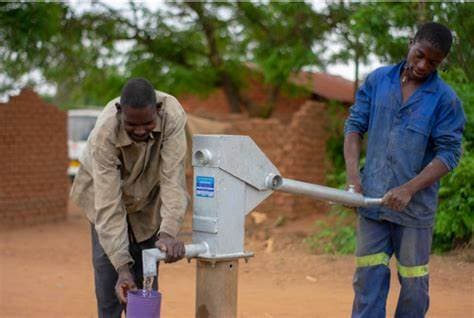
131,185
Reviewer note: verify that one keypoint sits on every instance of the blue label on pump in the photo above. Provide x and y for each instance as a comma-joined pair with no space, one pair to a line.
205,187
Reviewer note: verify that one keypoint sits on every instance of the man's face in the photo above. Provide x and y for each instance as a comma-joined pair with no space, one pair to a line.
138,122
423,59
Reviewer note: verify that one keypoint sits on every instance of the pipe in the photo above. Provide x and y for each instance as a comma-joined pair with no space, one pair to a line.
349,198
153,255
216,289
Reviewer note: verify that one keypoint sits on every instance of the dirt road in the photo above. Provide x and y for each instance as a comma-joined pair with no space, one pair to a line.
45,271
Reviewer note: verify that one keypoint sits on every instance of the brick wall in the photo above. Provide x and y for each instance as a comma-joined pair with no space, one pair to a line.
33,161
297,149
303,157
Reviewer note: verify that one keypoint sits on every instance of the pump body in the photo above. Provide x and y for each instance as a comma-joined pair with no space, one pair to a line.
231,177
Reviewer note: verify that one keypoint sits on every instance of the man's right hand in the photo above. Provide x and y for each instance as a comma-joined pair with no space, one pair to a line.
173,247
125,282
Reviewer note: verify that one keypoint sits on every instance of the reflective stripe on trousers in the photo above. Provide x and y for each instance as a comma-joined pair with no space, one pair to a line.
383,259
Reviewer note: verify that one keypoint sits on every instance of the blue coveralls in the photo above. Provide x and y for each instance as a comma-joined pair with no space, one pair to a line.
402,139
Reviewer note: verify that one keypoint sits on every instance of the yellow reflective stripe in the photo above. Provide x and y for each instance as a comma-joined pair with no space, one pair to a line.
372,260
412,271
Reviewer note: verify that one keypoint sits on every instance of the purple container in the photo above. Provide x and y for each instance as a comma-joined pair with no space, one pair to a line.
142,304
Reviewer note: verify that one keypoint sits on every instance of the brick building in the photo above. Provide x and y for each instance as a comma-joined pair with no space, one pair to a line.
33,161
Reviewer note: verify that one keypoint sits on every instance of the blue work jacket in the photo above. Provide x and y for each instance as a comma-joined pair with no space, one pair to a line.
405,137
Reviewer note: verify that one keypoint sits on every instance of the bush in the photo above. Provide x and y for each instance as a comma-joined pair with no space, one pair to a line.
336,235
465,91
455,217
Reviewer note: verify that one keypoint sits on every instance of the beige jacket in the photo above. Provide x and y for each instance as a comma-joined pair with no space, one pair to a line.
142,182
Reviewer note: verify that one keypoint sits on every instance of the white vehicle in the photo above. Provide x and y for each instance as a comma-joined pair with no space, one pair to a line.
80,124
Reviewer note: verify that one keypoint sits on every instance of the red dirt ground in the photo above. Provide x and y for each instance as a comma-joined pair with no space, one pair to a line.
45,271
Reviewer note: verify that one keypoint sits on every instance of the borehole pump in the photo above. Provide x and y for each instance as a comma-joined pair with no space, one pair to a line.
231,177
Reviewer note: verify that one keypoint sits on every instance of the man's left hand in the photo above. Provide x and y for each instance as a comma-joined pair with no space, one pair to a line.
398,198
173,248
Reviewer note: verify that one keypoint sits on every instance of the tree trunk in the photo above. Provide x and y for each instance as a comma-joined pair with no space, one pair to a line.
421,12
271,101
231,90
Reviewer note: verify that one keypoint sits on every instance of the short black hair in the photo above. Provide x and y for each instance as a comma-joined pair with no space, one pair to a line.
138,93
437,34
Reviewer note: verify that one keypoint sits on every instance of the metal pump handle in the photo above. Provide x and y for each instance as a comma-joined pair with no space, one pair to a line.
349,198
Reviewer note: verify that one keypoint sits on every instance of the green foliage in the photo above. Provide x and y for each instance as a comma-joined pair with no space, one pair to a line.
385,28
71,52
458,16
281,36
464,88
335,235
455,217
336,114
196,47
182,47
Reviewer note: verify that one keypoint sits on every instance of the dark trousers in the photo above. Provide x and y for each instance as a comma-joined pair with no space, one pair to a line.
105,275
377,241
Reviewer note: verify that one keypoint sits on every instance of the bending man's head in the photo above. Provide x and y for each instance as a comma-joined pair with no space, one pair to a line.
138,108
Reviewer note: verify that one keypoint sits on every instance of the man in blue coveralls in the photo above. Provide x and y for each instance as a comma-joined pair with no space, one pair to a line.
414,122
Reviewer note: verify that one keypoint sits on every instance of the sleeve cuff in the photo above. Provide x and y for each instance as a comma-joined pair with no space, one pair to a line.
170,226
351,130
120,258
449,163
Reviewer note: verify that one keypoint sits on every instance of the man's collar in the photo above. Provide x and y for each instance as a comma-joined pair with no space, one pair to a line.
430,84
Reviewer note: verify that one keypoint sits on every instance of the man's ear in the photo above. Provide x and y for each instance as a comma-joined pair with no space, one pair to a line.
410,43
119,107
158,107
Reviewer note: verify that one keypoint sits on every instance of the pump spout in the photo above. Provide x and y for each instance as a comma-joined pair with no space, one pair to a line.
153,255
276,182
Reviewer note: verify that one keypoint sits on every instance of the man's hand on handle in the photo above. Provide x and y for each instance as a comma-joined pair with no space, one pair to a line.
398,198
173,248
125,282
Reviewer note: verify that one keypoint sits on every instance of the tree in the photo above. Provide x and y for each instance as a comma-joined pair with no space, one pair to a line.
281,38
385,29
370,28
67,50
182,47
